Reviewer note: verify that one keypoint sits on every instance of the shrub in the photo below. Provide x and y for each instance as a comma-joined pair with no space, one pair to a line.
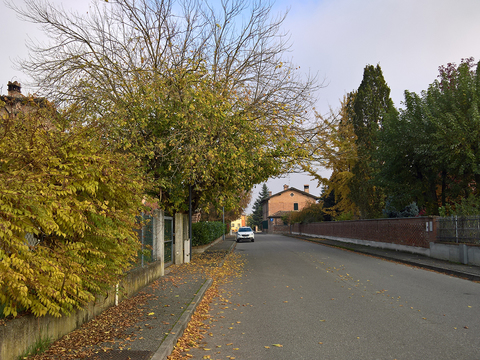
309,214
204,232
67,213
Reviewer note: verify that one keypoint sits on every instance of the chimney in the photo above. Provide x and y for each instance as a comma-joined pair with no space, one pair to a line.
285,187
269,193
14,89
306,188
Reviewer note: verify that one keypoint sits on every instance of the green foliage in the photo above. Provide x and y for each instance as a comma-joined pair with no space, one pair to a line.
466,207
77,199
410,210
430,151
38,348
204,232
369,108
345,216
257,217
309,214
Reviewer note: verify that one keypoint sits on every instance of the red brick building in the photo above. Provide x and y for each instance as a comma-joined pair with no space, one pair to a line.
280,204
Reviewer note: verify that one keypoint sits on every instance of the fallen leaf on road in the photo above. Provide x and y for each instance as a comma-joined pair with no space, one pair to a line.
278,345
267,347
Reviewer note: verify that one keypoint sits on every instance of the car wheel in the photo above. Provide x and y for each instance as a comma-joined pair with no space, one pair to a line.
253,240
238,240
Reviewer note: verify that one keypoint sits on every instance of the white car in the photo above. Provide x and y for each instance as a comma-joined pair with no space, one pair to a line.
245,232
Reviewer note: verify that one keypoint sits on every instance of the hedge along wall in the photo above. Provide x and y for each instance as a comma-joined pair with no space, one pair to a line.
204,232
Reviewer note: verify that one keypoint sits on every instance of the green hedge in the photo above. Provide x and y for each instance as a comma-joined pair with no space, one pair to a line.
204,232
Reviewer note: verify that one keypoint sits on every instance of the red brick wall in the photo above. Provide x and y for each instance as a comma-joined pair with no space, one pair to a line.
407,231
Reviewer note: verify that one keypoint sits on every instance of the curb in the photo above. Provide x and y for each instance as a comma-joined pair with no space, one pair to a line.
459,274
168,344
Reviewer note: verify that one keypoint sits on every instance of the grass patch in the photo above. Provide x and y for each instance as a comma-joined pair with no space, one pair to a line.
40,346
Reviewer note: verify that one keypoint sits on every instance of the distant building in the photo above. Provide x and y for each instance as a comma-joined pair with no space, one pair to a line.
234,225
16,102
281,204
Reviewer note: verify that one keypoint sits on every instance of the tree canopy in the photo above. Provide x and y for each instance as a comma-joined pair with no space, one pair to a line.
202,95
430,151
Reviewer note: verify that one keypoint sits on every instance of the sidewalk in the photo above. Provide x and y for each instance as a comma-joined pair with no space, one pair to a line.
165,307
469,272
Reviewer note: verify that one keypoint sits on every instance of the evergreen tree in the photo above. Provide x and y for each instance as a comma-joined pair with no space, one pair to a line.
370,105
257,216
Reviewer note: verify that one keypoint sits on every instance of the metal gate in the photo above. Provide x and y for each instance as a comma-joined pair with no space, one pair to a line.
168,252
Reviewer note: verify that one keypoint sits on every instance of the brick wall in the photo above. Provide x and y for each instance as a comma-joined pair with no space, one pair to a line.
419,231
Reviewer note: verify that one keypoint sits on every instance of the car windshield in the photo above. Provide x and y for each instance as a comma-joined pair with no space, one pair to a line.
244,229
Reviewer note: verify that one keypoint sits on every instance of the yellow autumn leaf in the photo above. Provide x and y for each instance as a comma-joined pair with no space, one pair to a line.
277,345
152,313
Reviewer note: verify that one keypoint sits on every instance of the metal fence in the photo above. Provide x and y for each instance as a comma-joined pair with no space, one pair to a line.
459,229
147,239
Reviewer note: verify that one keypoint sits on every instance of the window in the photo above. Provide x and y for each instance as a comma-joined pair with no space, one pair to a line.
295,206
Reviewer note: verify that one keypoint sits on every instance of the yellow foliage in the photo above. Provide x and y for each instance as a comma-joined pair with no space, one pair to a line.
76,200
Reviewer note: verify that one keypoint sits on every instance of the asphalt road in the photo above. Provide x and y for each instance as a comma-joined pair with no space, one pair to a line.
301,300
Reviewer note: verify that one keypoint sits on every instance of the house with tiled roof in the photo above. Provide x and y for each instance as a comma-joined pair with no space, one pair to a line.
275,207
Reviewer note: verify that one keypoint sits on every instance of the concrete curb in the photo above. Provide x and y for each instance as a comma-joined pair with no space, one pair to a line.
169,342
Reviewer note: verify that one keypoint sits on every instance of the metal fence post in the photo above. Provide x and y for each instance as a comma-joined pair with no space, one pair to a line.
456,229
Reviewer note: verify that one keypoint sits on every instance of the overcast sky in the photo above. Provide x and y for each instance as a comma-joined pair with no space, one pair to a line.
410,39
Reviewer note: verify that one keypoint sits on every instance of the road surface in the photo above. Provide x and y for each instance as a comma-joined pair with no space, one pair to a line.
301,300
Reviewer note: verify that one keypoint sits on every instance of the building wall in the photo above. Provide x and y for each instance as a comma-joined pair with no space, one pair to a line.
285,202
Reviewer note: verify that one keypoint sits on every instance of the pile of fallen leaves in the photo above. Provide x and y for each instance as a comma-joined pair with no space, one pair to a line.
109,326
198,325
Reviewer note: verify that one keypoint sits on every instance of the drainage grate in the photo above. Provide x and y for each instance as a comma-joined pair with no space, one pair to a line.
122,355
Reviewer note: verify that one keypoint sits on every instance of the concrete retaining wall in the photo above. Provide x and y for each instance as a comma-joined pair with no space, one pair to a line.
18,335
462,253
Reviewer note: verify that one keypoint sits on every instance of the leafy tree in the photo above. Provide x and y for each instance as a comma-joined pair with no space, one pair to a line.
257,216
339,153
410,167
213,214
434,158
370,105
201,100
77,199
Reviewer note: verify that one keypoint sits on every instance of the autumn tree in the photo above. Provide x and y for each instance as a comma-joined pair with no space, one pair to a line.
337,149
202,95
74,201
213,214
370,105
